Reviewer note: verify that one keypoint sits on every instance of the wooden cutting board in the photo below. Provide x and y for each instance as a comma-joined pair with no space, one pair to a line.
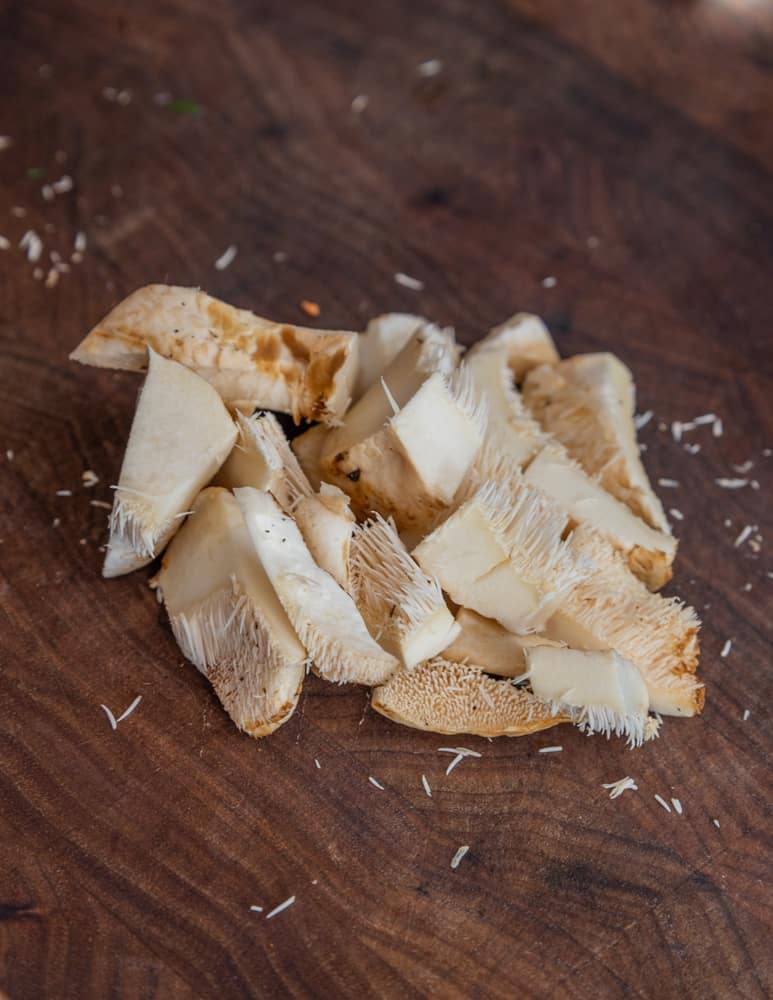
606,165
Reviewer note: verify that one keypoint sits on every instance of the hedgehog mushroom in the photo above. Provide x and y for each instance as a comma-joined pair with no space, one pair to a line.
450,698
501,554
227,619
602,691
385,336
323,614
612,609
263,460
587,402
484,641
401,606
252,362
527,343
180,436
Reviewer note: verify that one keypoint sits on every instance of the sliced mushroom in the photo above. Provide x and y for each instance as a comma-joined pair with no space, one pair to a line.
603,691
263,460
649,553
501,554
404,609
612,609
307,448
180,436
410,466
484,641
527,342
252,362
323,614
430,349
227,618
384,338
512,430
444,697
587,402
326,522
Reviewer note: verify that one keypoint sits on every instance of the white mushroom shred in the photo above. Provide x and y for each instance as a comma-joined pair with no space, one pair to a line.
130,709
408,282
280,908
226,258
743,535
623,785
457,858
110,717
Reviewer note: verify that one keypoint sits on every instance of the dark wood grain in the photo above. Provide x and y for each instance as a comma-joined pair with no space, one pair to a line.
624,148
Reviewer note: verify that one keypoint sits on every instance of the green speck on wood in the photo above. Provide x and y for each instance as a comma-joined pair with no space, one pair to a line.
36,172
182,106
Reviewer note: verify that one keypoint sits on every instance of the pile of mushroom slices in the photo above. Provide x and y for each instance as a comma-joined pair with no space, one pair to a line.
471,535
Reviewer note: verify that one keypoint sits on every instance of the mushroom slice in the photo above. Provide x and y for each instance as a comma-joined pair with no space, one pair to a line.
180,436
484,641
326,522
649,553
404,609
511,428
611,609
227,618
501,554
252,362
263,459
307,448
602,691
411,466
444,697
252,462
384,338
527,342
324,616
588,402
430,349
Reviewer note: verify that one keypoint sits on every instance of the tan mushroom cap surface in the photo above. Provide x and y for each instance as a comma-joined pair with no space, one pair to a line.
251,361
450,698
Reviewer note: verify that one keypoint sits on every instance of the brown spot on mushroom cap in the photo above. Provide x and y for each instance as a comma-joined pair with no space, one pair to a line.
267,349
320,378
294,345
223,317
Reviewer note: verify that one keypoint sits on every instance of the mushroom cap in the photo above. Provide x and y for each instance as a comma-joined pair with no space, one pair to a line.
444,697
249,360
